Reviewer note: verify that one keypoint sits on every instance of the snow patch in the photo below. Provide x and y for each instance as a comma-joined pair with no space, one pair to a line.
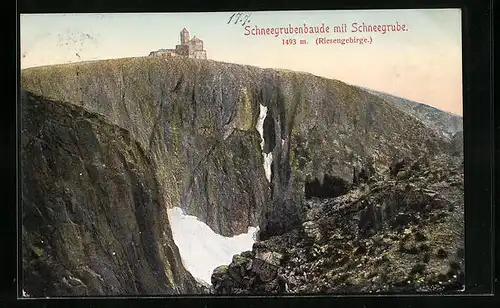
268,158
201,249
260,124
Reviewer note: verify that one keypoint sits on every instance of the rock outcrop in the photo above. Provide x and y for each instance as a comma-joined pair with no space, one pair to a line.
402,231
234,145
94,222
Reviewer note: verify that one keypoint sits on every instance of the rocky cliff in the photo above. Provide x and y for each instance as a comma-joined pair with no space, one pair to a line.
399,231
234,145
94,222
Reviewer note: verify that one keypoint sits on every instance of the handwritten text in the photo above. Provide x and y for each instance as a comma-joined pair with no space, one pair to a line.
239,18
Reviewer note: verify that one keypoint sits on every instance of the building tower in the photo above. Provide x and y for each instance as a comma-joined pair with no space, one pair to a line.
184,36
197,43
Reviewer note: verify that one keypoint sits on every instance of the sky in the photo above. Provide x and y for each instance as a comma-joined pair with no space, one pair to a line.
423,64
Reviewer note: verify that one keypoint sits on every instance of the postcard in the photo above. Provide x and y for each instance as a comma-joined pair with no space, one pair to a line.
241,153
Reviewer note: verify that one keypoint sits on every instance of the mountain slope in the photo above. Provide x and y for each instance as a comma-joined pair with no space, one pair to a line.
444,122
401,231
203,133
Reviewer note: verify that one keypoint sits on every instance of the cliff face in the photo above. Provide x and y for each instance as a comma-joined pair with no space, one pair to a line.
191,119
189,133
197,120
93,219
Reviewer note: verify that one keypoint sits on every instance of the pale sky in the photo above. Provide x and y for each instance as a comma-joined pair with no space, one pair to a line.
423,64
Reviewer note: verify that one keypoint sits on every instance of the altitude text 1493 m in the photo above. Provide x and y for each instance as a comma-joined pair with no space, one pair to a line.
293,42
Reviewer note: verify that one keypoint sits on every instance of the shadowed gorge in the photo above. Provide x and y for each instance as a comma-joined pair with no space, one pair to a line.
330,188
109,146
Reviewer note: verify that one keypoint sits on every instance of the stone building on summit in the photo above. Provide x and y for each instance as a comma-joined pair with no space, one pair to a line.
189,47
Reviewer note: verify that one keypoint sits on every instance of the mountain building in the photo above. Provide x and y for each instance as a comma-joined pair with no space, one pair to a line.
189,47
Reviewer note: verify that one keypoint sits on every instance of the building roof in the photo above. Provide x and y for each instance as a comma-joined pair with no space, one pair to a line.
195,39
185,30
